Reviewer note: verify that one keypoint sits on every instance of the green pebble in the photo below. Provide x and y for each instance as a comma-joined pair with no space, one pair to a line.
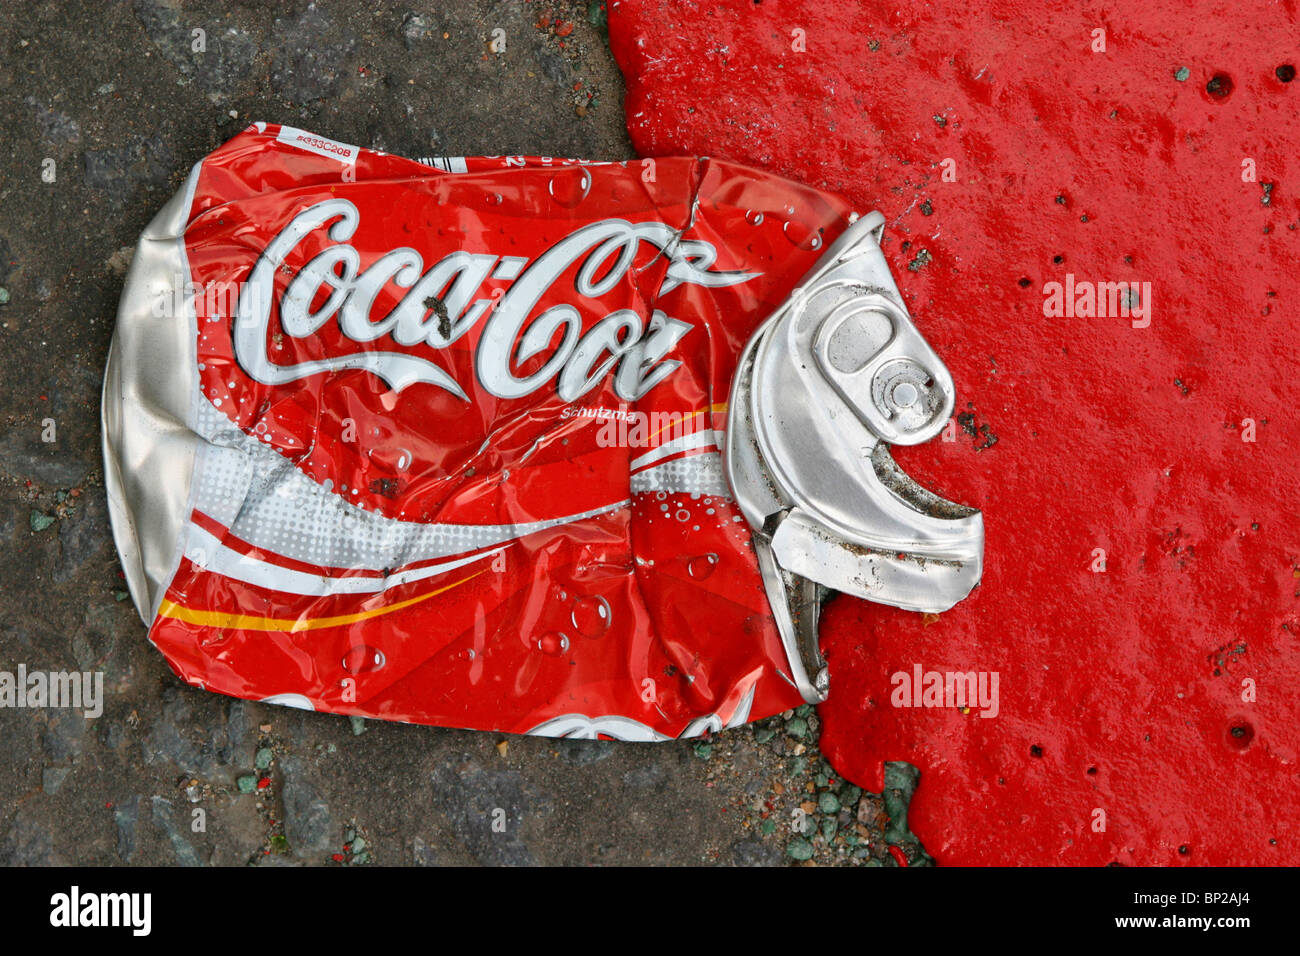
850,795
799,849
4,296
361,858
829,826
796,726
850,838
40,521
121,595
768,827
804,710
331,749
703,751
358,725
828,803
247,783
1182,74
798,765
263,758
358,845
821,780
763,734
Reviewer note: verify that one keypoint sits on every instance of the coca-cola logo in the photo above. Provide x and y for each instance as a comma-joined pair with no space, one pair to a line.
622,342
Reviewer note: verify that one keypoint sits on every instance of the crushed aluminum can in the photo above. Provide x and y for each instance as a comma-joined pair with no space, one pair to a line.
457,441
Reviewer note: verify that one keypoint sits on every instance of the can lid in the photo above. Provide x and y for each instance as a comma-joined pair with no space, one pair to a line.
834,377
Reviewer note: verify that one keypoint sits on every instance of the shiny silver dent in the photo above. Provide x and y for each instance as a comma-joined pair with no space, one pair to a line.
834,377
147,402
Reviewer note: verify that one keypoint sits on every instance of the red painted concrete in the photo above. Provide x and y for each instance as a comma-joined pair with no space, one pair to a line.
1128,683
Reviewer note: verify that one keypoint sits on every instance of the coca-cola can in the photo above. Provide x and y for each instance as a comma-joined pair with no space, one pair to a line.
511,443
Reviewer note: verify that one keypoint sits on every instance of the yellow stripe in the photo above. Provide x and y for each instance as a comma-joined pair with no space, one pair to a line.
720,407
246,622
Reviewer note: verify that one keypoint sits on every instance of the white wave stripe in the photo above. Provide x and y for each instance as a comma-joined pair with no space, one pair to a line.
618,727
297,701
265,500
698,474
713,723
705,438
582,727
205,550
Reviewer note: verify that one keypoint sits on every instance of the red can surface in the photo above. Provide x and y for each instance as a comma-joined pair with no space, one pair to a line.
440,441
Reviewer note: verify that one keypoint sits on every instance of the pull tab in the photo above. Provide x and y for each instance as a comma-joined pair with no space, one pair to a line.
873,356
868,348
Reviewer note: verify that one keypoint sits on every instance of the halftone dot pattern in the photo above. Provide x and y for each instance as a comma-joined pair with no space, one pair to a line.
698,474
265,500
223,474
